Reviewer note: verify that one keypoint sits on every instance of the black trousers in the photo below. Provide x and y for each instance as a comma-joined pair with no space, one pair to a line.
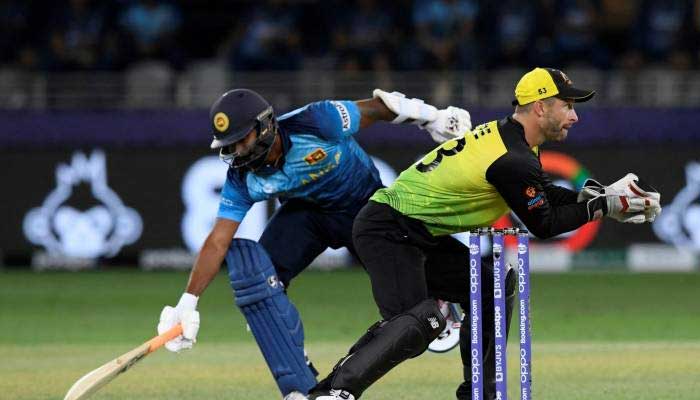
407,265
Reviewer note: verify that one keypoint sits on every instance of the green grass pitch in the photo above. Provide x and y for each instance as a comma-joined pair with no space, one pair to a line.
601,336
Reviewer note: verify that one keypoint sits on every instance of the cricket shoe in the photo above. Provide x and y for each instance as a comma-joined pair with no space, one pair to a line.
448,339
333,394
295,396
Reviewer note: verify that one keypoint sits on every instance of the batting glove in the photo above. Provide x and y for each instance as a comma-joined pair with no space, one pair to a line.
415,111
183,313
442,125
450,123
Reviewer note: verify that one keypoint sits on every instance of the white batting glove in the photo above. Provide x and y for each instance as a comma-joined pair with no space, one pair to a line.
442,125
415,111
450,123
184,313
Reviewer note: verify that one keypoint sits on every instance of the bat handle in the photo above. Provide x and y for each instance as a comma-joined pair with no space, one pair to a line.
158,341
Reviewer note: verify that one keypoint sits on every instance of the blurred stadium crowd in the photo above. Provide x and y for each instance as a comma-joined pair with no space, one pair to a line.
77,35
106,54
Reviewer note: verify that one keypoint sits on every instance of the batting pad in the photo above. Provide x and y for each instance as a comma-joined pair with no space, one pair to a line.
272,318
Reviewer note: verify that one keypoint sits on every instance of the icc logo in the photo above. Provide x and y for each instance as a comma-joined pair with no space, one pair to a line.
100,230
474,249
522,249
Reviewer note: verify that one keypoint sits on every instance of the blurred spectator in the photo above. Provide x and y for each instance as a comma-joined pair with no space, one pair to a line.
69,35
616,25
363,35
151,28
513,34
663,31
266,38
74,36
574,34
316,22
445,32
695,32
14,33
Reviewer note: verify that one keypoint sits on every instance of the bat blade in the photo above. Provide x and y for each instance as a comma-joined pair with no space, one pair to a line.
95,379
101,376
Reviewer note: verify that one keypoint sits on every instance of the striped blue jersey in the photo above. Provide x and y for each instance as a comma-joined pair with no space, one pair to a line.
323,165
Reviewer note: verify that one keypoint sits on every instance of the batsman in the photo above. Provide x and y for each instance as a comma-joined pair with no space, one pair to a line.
402,235
308,159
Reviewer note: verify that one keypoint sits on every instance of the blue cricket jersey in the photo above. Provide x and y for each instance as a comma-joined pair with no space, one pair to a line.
323,164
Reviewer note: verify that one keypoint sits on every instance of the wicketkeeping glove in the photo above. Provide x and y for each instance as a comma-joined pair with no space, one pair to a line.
622,199
184,313
591,188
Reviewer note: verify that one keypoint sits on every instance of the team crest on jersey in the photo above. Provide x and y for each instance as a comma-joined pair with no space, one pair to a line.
315,156
530,192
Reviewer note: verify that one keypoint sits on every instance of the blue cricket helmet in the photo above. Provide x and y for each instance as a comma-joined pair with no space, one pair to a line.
233,116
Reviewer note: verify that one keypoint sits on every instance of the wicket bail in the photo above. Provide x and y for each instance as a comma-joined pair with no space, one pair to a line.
499,294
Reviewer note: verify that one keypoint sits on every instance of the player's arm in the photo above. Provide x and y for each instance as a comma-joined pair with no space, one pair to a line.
395,107
205,269
235,203
558,195
373,110
521,183
530,203
211,256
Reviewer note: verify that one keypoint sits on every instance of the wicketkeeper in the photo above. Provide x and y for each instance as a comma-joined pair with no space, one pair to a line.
402,234
309,159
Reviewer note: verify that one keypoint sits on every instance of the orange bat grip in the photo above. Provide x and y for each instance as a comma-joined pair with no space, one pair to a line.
160,340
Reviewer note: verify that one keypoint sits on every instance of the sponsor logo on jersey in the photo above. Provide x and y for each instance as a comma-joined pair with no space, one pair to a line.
221,122
343,113
537,201
315,156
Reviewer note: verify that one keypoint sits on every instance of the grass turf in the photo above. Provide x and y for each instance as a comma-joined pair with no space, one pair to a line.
596,336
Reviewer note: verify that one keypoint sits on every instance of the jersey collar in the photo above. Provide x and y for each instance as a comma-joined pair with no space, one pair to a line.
517,126
286,141
520,130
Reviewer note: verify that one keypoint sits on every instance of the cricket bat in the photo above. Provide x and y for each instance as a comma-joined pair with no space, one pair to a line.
101,376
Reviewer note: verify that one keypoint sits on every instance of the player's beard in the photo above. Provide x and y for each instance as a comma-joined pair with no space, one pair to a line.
553,129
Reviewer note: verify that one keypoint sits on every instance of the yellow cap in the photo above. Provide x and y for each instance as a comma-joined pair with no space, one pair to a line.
541,83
